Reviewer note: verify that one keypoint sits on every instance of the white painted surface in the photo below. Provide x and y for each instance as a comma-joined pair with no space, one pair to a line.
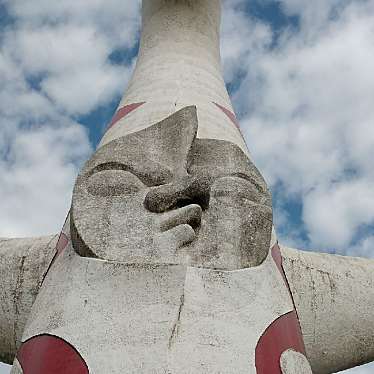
157,319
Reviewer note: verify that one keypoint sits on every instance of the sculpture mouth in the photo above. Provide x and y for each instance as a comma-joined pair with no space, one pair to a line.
182,223
186,215
179,227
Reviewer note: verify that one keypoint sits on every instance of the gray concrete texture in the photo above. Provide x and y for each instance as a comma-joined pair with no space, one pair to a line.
334,297
163,196
147,318
179,65
23,264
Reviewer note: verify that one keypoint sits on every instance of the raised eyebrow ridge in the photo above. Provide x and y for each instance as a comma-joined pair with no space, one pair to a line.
252,180
109,166
145,177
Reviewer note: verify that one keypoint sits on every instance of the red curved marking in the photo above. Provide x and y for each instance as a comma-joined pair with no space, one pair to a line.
283,334
123,112
46,354
229,114
277,257
62,243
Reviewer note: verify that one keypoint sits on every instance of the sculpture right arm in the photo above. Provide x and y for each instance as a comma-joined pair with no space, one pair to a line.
334,298
23,265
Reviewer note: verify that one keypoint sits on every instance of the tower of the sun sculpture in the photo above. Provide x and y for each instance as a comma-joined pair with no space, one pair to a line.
167,261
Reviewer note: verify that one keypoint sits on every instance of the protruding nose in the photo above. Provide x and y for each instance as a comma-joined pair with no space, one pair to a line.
178,194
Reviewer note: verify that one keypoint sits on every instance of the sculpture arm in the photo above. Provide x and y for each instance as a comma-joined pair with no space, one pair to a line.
334,298
23,264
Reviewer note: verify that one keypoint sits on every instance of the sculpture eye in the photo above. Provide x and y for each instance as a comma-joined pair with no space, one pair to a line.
240,189
113,183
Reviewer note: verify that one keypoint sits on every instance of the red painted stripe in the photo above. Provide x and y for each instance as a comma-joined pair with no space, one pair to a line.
229,114
123,112
283,334
46,354
277,257
62,243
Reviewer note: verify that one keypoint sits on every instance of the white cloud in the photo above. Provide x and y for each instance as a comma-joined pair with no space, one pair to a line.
241,38
364,248
309,118
365,369
69,60
40,150
37,177
333,214
4,369
114,19
54,65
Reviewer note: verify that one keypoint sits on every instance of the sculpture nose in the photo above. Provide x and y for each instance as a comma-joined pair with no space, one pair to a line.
178,194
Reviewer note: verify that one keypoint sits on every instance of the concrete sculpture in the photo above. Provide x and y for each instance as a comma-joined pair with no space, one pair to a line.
167,261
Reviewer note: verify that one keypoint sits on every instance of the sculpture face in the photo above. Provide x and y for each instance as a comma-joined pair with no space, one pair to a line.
162,196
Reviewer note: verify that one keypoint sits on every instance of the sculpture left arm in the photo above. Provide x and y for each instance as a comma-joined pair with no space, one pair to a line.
334,299
23,264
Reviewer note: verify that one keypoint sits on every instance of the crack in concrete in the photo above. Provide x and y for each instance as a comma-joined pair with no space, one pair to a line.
47,268
174,331
17,296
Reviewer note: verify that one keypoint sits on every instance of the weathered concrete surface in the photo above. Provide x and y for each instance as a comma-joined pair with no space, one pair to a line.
179,65
161,196
334,297
16,368
23,263
144,318
294,363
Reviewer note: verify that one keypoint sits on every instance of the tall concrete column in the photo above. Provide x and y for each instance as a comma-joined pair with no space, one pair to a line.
178,65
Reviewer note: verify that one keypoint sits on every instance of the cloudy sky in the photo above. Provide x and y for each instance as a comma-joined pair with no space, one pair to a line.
300,74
